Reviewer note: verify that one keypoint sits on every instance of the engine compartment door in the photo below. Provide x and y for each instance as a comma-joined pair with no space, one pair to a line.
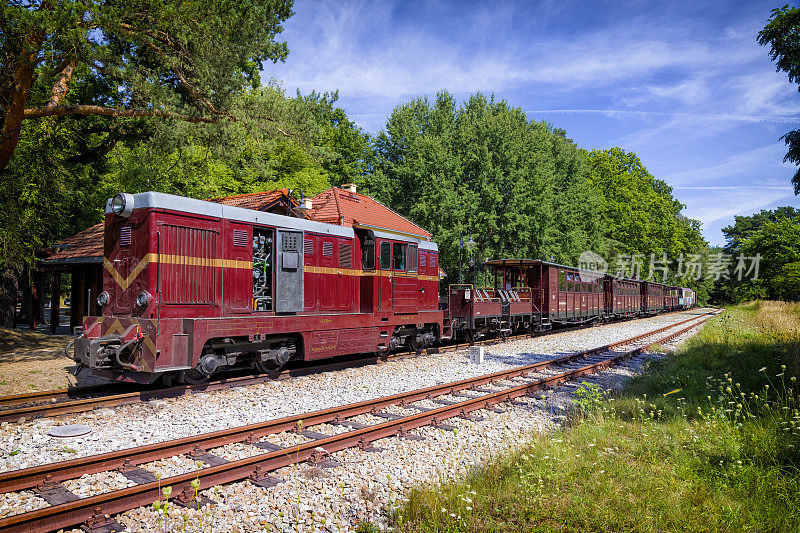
289,272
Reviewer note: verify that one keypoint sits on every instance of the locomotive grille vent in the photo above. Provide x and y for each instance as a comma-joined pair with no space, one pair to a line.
240,238
308,247
345,255
422,260
289,243
125,236
327,249
433,262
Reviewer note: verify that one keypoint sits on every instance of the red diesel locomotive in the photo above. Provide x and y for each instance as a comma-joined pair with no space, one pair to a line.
192,287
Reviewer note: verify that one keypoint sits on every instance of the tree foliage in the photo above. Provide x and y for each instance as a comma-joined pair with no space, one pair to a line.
639,213
775,236
782,35
158,58
518,187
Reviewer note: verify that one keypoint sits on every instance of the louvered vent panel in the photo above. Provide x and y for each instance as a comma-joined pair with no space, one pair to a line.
327,249
125,236
188,269
308,247
240,238
422,260
346,255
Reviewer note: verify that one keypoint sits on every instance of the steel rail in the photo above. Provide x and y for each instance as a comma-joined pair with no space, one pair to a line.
15,480
255,467
72,405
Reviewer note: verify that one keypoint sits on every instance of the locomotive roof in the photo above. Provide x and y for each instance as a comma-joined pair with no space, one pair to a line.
159,200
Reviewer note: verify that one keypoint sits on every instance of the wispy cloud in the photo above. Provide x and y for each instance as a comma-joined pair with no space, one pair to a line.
611,113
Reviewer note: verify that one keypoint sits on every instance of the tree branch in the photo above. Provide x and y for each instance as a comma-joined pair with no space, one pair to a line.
41,112
61,86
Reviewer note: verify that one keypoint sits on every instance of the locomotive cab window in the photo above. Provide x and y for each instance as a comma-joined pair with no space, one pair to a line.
368,254
412,257
386,259
399,256
562,281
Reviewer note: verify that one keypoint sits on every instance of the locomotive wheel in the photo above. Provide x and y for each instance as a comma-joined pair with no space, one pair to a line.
268,367
414,344
193,377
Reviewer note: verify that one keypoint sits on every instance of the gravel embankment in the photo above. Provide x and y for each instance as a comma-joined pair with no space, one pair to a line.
316,498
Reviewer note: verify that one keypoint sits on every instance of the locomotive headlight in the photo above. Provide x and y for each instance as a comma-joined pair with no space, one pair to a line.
143,300
122,204
102,299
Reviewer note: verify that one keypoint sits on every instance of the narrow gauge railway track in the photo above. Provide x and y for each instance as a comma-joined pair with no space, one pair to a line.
67,510
81,399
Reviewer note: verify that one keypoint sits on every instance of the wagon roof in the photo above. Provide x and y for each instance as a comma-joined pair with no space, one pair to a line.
533,262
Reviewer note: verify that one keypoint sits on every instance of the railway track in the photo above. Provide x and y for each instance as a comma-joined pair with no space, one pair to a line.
26,406
472,394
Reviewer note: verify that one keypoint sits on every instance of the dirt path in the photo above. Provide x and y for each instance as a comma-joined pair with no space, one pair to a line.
35,361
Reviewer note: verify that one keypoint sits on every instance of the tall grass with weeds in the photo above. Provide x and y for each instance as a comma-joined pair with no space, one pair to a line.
707,440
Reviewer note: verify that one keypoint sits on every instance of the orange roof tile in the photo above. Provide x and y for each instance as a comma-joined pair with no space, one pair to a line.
86,245
340,206
254,200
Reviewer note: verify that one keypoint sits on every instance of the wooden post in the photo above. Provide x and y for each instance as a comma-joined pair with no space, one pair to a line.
77,305
35,310
55,301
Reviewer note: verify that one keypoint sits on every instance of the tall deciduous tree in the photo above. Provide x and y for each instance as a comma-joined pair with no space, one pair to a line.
639,213
782,35
481,169
159,58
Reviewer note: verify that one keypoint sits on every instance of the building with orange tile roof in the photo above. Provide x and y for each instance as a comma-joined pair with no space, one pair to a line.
346,207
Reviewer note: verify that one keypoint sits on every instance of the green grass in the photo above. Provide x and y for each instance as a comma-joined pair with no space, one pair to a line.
707,440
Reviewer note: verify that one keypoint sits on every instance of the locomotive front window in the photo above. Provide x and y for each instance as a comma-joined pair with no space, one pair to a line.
399,256
368,254
386,259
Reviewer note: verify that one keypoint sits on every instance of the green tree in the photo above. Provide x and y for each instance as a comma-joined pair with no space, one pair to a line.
179,60
782,35
518,187
778,244
759,233
786,284
639,213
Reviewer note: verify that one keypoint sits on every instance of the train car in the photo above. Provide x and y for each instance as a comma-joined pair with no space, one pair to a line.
194,287
672,298
687,298
652,297
527,294
622,296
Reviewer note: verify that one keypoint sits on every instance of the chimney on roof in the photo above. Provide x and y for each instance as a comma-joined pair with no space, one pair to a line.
351,187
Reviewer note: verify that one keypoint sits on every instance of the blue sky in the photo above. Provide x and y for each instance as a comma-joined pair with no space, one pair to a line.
682,84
